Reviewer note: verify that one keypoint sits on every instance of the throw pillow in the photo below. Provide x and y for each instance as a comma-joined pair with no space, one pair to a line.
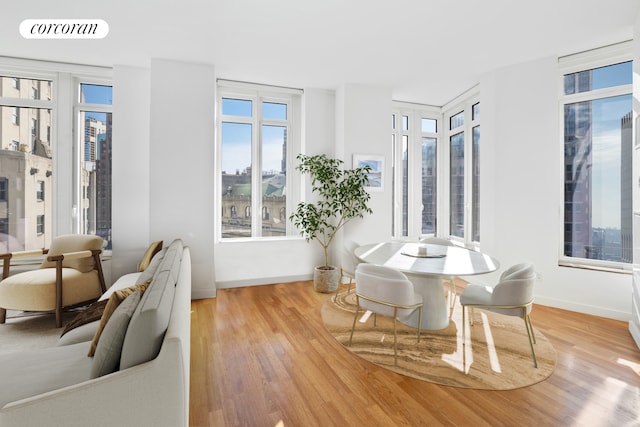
148,255
112,303
88,315
107,357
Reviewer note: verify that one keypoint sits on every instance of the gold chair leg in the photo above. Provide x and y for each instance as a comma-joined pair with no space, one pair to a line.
395,338
530,335
464,323
531,328
419,322
464,349
355,317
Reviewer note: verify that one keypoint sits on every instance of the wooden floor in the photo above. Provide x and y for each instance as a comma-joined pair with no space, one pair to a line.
260,356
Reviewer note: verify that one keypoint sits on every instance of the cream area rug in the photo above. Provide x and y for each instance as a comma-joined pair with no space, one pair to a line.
497,355
26,331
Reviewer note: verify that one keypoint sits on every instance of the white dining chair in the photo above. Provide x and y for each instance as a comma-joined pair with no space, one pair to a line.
388,292
348,264
512,295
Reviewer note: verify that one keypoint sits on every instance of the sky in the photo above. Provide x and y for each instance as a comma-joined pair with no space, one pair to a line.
97,94
236,137
606,155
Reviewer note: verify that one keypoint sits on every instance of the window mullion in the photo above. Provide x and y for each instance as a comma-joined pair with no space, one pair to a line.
256,171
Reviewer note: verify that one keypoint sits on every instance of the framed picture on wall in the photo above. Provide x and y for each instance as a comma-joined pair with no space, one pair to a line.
376,163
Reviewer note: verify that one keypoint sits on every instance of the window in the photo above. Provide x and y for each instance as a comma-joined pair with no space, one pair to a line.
40,191
95,122
429,160
259,137
463,176
456,175
32,118
414,140
475,170
15,115
597,121
40,224
26,163
3,190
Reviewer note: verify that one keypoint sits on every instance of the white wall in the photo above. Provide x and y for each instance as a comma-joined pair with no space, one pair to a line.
521,190
130,180
363,117
181,173
163,164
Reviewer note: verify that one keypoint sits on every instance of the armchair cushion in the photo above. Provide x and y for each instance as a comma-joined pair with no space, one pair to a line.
35,289
74,243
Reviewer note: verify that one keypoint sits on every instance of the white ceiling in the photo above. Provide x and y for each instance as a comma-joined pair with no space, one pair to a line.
426,51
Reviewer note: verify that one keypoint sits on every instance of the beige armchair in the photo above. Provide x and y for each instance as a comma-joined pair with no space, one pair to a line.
71,275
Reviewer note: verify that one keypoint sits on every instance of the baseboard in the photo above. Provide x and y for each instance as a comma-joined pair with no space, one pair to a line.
583,308
203,293
226,284
635,333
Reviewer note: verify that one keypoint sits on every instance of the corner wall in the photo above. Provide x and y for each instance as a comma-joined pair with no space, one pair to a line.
181,153
363,117
521,190
130,180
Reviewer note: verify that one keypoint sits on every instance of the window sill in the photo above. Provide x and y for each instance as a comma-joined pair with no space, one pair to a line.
620,269
260,239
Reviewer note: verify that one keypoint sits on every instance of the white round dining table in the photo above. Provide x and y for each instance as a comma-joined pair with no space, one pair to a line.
425,265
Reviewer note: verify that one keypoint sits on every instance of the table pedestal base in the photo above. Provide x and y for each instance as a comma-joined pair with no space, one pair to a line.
435,310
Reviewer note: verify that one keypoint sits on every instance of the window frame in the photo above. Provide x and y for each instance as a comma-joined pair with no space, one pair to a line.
60,103
40,191
414,113
464,103
583,61
79,108
258,94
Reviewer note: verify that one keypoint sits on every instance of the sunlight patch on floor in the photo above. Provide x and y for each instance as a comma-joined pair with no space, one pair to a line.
594,414
365,316
462,358
491,348
635,367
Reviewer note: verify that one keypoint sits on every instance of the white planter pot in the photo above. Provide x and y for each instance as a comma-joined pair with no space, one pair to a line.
326,279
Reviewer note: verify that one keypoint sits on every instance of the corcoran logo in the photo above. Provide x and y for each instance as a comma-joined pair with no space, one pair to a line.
64,29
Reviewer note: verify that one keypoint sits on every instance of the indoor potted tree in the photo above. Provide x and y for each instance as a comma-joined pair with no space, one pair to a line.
342,197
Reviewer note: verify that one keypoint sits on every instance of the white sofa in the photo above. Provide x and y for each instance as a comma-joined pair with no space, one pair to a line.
53,386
